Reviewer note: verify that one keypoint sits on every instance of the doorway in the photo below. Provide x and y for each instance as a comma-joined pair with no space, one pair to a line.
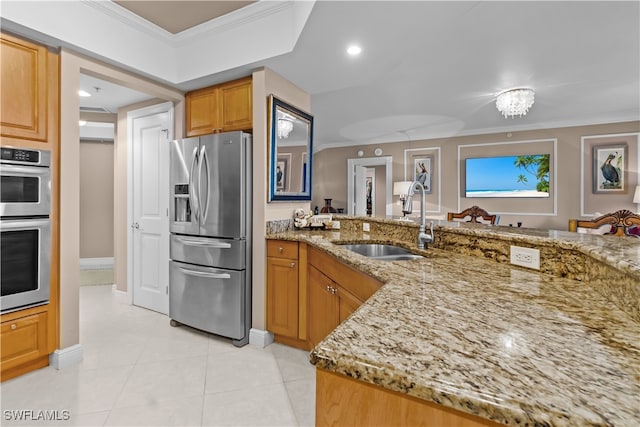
357,188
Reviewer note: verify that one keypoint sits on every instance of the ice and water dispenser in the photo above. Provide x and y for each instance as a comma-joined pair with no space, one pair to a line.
182,203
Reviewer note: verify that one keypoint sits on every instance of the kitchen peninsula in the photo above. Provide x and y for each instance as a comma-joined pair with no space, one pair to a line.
463,330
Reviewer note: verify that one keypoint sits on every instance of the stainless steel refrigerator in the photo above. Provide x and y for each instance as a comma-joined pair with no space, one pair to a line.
210,247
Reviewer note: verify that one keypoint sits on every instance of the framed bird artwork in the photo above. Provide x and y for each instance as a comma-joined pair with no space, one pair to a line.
610,168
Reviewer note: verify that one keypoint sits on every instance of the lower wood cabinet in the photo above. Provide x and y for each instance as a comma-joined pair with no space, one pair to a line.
282,296
345,401
287,292
310,292
329,305
24,344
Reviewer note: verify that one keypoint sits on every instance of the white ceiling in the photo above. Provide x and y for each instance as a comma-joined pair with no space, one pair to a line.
432,69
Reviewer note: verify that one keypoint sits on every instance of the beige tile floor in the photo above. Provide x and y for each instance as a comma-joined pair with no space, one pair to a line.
140,371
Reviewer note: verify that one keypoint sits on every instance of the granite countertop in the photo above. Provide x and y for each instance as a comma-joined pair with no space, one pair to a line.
503,343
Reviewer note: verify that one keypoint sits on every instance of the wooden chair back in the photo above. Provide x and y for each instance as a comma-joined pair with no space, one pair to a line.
620,221
474,212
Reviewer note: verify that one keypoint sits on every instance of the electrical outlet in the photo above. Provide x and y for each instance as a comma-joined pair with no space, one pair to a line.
365,226
525,257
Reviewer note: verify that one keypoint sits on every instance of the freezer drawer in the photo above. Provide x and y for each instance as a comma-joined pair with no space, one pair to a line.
226,253
209,299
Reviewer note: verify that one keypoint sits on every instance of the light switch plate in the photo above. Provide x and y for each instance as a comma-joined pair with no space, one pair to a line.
525,257
365,226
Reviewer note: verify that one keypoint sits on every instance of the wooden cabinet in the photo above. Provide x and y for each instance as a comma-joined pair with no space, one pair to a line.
25,89
221,108
309,293
324,309
335,292
29,116
24,344
345,401
282,288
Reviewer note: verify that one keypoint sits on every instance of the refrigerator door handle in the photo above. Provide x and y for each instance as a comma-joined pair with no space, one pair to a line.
217,245
204,274
193,198
205,161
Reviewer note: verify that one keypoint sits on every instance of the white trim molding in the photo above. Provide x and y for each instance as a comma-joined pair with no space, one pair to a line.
65,357
260,338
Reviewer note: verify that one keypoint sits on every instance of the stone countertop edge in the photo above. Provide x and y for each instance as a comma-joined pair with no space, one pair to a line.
428,364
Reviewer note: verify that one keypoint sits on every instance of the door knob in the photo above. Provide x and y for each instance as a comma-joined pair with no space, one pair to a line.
135,225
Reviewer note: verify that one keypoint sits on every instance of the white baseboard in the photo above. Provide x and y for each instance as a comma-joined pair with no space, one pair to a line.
260,338
65,357
118,292
96,263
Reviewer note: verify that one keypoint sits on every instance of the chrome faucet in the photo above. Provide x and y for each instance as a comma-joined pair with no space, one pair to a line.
423,237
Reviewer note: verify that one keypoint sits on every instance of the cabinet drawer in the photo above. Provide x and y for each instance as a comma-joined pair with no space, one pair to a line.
282,249
23,340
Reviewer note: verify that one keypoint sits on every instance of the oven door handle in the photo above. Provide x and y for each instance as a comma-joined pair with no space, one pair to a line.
21,224
205,274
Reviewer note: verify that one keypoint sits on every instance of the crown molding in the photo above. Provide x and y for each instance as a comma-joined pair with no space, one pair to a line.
129,18
247,14
317,146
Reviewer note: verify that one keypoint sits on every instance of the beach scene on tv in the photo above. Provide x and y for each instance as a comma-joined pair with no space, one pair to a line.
508,176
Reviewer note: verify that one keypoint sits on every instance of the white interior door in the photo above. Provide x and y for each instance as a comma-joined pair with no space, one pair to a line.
152,131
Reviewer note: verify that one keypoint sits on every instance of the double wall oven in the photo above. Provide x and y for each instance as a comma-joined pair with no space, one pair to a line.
25,227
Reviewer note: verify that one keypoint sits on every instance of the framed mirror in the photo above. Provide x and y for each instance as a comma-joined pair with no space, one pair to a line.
290,151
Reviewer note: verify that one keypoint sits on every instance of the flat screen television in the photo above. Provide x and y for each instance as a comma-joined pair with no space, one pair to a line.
507,176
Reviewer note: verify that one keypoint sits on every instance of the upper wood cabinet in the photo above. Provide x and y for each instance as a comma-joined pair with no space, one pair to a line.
221,108
25,89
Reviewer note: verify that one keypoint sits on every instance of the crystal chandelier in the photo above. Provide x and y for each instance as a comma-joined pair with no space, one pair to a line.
285,126
515,102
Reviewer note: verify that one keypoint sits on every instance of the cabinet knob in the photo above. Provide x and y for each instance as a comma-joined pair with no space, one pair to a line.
280,249
14,326
293,264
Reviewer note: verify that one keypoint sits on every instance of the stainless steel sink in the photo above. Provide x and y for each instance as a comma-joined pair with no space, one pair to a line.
382,252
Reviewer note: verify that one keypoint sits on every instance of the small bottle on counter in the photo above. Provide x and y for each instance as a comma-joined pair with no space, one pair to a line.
316,211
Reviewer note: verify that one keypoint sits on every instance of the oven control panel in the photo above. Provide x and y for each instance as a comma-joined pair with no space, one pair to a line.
25,157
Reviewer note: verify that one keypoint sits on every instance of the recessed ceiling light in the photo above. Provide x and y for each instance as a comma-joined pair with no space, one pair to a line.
83,93
354,50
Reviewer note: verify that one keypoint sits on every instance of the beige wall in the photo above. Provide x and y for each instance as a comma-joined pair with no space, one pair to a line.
330,173
267,82
96,199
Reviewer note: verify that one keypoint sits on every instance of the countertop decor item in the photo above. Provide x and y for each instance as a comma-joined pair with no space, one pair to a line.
327,207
